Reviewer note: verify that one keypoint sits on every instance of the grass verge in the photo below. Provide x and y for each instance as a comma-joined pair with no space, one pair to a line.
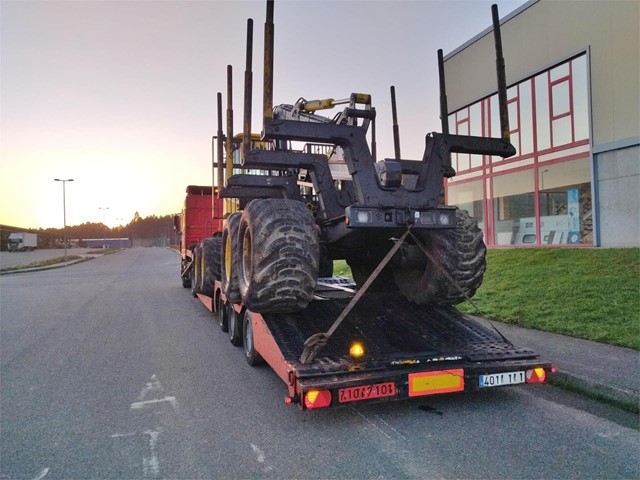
42,263
582,292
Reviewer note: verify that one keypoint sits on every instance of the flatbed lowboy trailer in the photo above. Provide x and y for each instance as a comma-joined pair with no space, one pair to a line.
387,348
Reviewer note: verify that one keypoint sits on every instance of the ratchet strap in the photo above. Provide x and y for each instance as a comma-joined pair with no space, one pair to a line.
317,341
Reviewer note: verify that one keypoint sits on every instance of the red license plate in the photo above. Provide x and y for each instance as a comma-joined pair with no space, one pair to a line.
365,392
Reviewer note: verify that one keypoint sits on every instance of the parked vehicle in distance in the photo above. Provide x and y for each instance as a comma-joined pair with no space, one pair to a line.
22,242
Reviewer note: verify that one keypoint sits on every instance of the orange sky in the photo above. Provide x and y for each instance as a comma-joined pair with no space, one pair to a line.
120,96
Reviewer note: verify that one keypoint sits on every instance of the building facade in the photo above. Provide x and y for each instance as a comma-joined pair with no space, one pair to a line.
573,70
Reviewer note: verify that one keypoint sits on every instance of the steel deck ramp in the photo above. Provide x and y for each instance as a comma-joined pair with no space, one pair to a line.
393,331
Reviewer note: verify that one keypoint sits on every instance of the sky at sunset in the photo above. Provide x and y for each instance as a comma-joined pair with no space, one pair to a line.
121,95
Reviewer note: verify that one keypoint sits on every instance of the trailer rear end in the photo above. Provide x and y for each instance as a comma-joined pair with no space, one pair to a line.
389,349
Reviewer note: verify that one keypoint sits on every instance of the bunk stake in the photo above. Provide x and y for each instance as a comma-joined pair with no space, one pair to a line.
317,341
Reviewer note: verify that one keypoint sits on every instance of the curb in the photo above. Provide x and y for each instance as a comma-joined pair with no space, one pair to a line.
47,267
626,399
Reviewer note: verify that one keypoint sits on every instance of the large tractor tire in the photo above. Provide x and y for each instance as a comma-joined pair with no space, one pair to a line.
229,252
195,276
363,265
278,267
210,263
461,252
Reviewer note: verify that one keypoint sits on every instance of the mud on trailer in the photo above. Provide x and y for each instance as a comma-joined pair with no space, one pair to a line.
309,191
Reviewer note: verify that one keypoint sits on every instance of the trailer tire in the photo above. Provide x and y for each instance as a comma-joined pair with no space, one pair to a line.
186,281
280,255
229,251
461,252
235,326
223,314
194,273
250,354
210,263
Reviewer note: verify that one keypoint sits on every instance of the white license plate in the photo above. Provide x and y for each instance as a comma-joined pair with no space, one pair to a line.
499,379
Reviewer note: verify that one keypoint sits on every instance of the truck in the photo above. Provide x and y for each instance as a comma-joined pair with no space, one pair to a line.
22,242
309,191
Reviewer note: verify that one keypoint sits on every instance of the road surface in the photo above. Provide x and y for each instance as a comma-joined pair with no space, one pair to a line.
110,369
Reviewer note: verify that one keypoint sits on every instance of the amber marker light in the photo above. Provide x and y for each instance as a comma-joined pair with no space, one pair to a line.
356,350
536,375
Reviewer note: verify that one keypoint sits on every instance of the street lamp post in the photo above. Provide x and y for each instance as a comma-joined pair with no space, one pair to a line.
104,214
64,212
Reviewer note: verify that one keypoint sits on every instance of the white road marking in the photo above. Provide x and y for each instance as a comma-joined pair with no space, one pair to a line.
119,435
153,384
259,453
150,462
42,474
261,457
146,403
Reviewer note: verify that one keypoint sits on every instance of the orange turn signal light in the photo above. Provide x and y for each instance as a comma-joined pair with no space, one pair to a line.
317,399
536,375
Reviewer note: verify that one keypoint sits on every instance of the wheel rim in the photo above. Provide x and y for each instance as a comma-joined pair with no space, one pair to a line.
246,257
248,335
227,259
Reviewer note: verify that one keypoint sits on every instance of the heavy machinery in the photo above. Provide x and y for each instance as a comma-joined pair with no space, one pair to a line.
309,191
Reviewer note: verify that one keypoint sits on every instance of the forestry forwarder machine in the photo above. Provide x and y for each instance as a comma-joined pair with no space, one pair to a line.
285,212
332,200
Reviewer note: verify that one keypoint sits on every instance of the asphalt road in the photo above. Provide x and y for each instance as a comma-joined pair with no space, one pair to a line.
110,369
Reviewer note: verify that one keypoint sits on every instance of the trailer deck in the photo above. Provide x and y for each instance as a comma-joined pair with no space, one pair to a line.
407,350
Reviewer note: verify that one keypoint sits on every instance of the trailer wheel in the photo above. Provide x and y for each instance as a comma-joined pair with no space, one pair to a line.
186,281
210,264
279,262
235,326
461,252
194,274
223,314
229,258
250,354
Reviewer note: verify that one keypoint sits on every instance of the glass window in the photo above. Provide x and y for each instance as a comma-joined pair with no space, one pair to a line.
526,119
560,71
542,112
580,81
565,203
514,208
475,120
560,98
468,196
561,131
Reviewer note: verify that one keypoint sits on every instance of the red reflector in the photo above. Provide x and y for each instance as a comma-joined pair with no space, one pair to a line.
536,375
317,399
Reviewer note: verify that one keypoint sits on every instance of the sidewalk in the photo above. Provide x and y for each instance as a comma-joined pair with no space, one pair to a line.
611,372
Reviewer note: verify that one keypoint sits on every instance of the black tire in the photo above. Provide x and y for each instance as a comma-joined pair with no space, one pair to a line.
235,326
363,265
223,314
195,276
278,268
325,268
186,281
250,354
461,252
229,252
210,264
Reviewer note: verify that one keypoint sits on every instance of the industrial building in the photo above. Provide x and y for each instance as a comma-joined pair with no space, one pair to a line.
573,70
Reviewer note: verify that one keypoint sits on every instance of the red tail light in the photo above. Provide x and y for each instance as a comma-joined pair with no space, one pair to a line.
317,399
536,375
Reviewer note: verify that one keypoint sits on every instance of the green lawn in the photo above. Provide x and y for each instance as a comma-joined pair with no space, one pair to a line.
586,293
